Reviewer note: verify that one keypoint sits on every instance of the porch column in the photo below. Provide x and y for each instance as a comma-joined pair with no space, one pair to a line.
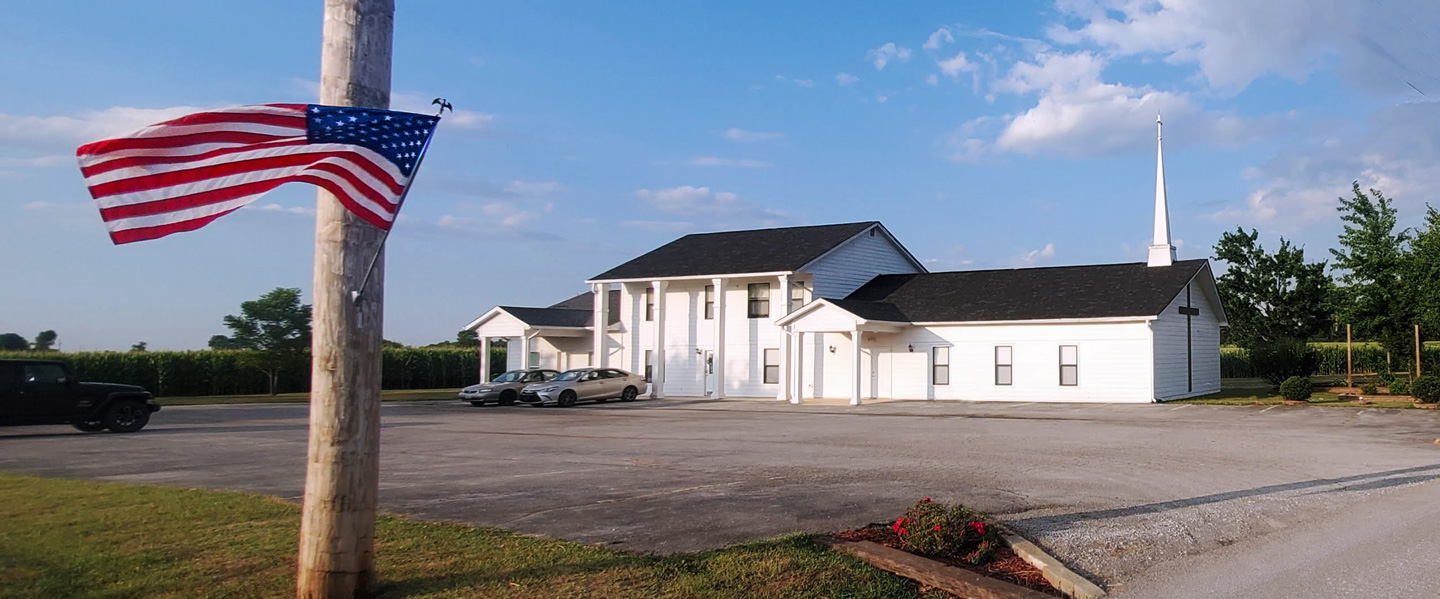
657,385
855,391
798,391
784,394
602,324
484,359
719,337
525,350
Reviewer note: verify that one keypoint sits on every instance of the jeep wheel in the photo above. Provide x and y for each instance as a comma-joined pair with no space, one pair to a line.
629,394
507,398
126,416
89,427
567,399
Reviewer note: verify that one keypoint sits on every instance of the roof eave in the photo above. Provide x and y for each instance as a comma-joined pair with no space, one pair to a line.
741,275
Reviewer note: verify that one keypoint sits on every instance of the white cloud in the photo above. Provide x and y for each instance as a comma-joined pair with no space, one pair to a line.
846,79
939,38
1033,256
533,188
886,53
932,80
273,207
659,226
460,119
806,83
733,162
37,162
952,67
715,209
70,131
738,134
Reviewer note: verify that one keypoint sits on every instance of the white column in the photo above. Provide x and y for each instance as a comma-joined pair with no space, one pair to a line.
602,324
657,386
798,390
484,359
719,337
855,391
525,350
784,394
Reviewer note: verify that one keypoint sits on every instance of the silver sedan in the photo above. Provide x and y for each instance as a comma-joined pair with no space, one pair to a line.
599,384
504,389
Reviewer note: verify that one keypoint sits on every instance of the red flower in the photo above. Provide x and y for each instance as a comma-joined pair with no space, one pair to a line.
925,500
979,527
903,532
937,528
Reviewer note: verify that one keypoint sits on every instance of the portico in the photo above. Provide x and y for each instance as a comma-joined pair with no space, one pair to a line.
826,316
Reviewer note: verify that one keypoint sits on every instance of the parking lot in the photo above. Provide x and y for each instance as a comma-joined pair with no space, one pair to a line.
1151,500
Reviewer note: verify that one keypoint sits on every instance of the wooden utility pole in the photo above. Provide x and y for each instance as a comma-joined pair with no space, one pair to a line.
337,526
1349,360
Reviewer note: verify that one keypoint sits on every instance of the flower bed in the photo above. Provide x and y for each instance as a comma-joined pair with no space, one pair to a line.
955,536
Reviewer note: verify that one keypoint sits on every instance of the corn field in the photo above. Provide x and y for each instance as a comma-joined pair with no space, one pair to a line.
214,372
1369,358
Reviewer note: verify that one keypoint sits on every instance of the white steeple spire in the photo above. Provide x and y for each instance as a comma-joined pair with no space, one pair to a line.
1162,253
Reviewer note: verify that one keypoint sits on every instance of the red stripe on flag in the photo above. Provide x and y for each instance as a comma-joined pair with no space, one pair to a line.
257,118
194,200
129,161
158,231
340,194
176,141
161,180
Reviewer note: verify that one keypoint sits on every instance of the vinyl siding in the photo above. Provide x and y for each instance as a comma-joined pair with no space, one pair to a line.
857,261
1171,372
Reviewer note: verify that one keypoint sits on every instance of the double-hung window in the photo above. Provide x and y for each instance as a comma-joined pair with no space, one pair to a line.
1069,365
709,302
758,305
649,304
940,365
1004,364
797,295
772,367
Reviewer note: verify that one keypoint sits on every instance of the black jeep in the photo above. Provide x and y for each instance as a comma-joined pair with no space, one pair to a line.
45,392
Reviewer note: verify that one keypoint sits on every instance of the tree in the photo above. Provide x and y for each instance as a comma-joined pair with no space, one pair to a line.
45,341
276,330
13,342
140,347
386,343
1372,261
1423,273
1271,297
467,338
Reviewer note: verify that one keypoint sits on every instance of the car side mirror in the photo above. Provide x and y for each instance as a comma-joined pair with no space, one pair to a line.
64,380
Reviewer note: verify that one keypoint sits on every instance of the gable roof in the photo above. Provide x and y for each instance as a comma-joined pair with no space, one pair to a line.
1096,291
574,312
784,249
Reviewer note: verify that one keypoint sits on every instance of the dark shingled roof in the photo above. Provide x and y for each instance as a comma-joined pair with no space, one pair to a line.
1099,291
760,250
578,311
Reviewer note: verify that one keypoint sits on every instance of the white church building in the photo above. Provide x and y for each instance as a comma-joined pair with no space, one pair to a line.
844,311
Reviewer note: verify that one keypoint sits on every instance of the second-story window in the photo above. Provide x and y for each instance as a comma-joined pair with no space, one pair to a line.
649,304
797,295
759,303
709,302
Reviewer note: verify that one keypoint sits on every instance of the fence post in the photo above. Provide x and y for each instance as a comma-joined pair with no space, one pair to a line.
1349,360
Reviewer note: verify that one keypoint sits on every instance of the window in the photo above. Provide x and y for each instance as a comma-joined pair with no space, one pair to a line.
759,304
534,359
649,355
772,367
709,302
940,366
45,374
1004,358
649,304
797,296
1069,366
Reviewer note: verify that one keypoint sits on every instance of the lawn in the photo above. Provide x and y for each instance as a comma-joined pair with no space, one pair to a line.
1257,392
398,395
66,538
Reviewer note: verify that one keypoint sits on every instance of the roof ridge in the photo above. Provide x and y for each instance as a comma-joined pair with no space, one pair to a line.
858,222
947,272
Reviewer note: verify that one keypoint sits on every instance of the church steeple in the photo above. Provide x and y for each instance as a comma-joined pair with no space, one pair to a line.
1162,253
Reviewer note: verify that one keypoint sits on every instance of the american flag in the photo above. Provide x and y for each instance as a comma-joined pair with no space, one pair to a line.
182,174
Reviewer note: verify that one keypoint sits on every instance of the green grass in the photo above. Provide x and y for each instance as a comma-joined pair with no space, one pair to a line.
1257,392
66,538
398,395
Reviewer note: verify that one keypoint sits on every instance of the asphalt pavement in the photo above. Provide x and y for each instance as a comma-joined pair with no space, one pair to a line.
1155,501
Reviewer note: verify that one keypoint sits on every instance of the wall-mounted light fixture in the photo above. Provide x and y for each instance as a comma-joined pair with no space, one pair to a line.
910,347
699,351
832,349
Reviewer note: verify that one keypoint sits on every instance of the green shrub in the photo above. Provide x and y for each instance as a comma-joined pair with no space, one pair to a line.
1283,359
1369,389
1386,378
1400,387
1296,388
1426,389
935,529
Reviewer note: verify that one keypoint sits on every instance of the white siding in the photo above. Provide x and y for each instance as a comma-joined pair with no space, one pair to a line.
1114,363
857,261
1172,376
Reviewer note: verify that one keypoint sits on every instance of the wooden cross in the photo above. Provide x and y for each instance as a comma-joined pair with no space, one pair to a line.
1189,313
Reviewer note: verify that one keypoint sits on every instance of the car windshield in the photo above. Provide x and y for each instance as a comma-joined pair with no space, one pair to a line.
509,377
571,375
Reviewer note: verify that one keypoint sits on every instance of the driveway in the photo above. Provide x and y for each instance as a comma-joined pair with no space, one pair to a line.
1152,501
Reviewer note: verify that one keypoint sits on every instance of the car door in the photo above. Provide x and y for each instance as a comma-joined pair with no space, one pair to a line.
615,382
46,392
591,386
9,390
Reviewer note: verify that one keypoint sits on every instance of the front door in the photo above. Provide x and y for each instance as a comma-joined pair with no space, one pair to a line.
709,374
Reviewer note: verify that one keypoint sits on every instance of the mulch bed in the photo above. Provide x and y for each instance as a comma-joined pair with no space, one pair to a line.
1004,564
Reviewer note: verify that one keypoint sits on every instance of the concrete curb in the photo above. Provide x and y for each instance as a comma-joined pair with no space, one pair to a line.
950,579
1062,578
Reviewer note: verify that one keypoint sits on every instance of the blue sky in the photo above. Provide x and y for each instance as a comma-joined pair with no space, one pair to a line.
984,135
